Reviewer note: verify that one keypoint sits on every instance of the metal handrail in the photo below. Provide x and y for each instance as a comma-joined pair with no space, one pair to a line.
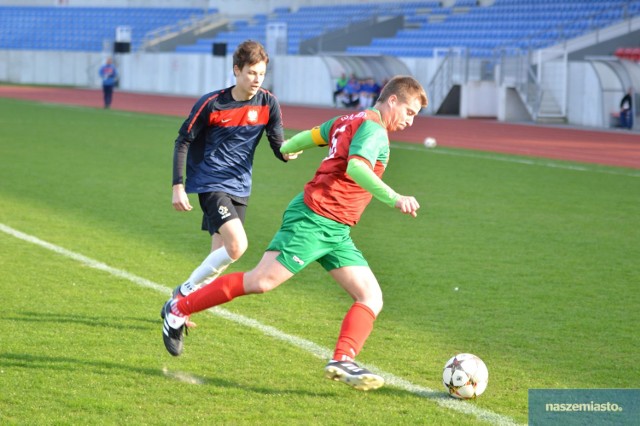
179,27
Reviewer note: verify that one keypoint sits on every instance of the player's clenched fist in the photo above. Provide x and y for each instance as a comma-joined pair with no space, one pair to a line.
408,205
179,199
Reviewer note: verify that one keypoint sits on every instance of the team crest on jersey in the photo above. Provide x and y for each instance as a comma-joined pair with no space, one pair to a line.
252,116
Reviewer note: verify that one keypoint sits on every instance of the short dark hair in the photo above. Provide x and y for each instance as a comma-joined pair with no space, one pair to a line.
404,87
249,52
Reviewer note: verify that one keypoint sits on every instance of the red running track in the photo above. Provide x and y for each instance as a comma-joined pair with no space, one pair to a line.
613,148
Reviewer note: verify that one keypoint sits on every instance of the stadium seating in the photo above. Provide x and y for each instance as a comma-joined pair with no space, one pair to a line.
506,24
309,22
81,28
429,26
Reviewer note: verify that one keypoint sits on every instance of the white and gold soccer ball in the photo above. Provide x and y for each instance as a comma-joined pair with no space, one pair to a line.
465,376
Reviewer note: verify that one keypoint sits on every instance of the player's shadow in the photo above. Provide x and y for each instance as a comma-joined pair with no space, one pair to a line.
62,364
133,323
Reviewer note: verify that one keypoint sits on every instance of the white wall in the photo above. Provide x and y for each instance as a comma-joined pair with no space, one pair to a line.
479,99
303,80
68,68
294,79
583,94
167,73
510,105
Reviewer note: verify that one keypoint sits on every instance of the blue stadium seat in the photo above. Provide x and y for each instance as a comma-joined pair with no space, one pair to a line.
506,24
81,28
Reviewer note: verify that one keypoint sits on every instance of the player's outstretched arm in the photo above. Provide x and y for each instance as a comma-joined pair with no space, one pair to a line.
362,174
301,141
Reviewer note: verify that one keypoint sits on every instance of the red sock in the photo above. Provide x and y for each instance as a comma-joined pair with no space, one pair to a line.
356,327
221,290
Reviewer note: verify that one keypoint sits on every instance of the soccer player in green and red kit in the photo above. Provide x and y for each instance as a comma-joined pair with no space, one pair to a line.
316,227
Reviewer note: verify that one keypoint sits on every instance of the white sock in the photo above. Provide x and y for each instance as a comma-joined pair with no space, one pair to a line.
208,270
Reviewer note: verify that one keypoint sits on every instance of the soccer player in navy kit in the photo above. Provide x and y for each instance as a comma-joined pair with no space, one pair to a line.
317,223
217,142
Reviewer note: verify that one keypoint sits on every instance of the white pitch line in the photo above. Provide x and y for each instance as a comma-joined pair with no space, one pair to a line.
526,161
324,353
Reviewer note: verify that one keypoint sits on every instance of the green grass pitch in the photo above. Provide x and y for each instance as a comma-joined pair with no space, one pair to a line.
544,255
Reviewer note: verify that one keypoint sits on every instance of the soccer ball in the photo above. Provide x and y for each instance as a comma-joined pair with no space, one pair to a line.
465,376
430,142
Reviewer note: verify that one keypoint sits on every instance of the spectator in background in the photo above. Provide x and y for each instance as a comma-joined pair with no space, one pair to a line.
626,110
340,85
369,91
109,75
351,92
377,88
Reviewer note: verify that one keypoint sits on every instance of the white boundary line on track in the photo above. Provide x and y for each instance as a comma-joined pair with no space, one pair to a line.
439,398
537,161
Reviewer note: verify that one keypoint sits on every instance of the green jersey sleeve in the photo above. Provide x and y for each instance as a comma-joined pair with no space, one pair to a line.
303,140
367,179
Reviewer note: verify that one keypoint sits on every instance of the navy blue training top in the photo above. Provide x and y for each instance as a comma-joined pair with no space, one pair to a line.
219,140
